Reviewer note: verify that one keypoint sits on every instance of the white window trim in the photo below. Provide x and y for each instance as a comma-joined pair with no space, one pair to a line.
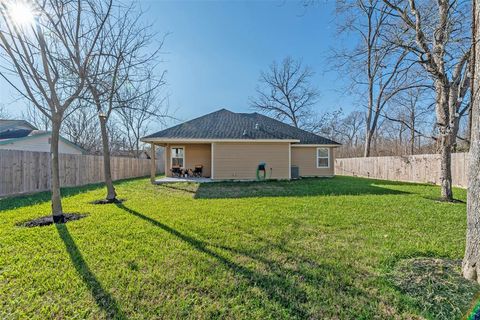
184,156
317,157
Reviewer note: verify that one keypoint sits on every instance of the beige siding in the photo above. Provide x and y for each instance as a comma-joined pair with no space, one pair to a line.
306,159
39,144
195,154
240,160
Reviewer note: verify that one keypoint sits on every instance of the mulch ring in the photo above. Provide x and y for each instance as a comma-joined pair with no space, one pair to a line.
106,201
48,220
436,286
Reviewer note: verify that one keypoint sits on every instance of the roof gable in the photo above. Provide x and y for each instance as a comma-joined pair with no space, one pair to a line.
224,124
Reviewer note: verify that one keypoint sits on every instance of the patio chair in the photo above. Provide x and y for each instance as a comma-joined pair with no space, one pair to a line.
198,171
176,171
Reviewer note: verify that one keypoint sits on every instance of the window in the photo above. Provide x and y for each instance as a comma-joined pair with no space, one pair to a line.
323,157
178,157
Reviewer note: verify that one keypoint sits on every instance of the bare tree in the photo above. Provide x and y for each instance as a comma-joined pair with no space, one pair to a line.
135,120
4,114
82,129
343,128
471,260
37,118
326,124
285,92
126,60
50,57
411,110
378,68
444,54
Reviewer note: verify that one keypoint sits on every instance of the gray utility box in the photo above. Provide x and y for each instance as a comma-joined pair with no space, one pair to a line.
295,172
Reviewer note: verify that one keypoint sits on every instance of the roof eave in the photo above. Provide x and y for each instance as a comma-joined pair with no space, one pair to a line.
187,140
331,145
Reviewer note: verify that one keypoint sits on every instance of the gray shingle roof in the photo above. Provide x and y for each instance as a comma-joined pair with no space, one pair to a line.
14,133
224,124
6,124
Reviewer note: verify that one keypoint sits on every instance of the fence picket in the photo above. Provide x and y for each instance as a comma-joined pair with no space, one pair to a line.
28,172
424,168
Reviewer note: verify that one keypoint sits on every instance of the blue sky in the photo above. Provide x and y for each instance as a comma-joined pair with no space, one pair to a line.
215,51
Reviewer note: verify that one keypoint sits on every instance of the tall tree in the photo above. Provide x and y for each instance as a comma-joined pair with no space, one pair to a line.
471,260
444,54
47,46
127,59
286,92
376,66
411,109
134,121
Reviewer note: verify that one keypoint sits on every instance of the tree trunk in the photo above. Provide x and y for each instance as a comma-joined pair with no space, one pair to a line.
57,210
442,114
111,194
471,261
468,135
412,132
368,144
446,168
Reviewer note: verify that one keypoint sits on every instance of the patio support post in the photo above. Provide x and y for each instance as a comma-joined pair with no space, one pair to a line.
153,167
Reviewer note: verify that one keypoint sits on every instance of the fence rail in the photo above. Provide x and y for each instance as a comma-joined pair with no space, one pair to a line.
418,168
27,172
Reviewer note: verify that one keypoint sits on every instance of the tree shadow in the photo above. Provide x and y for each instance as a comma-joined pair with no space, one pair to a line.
19,201
276,283
103,299
180,187
336,186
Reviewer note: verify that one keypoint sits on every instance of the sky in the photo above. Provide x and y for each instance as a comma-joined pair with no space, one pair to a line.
215,51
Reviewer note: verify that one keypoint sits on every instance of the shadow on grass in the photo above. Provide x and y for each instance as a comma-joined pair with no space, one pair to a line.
298,188
276,284
103,299
13,202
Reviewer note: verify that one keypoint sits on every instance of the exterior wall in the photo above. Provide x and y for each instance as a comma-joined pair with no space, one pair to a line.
39,144
195,154
306,159
239,161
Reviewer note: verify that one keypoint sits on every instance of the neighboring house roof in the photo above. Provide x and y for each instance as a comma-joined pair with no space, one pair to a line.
12,131
36,134
6,124
224,124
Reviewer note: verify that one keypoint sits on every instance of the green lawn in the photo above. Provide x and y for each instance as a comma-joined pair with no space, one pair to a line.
341,248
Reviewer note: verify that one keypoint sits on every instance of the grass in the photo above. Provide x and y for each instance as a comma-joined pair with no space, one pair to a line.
341,248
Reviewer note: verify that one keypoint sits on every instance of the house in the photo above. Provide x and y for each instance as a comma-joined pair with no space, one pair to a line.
234,146
21,135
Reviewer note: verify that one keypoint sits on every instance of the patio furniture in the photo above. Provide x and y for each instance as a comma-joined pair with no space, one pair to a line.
176,171
198,171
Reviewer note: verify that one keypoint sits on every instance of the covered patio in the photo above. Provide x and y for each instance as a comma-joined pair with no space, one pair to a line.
185,161
165,180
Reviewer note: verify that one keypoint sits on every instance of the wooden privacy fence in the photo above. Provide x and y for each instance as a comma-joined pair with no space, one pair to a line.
27,172
418,168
